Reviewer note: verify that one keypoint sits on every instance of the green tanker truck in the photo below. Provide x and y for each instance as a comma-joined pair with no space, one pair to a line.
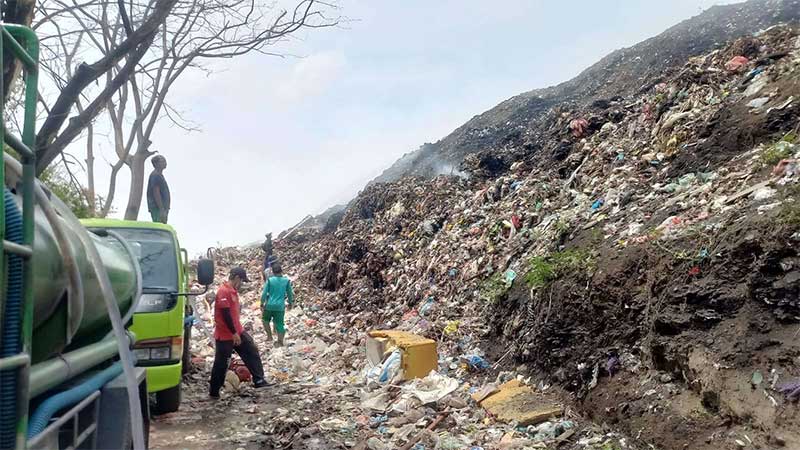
162,322
69,376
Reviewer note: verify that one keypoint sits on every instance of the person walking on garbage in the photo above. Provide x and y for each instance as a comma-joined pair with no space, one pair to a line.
229,335
269,258
158,198
277,293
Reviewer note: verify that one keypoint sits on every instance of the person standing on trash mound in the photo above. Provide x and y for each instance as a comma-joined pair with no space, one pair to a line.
277,293
269,258
158,198
229,335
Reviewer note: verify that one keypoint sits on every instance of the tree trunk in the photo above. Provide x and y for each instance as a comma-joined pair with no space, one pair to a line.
49,143
91,192
137,184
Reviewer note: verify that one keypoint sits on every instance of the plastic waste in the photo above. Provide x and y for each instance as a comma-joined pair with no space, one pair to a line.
390,367
578,127
549,430
378,401
756,85
786,167
375,422
757,378
510,276
336,424
736,63
476,362
432,388
791,390
612,365
240,370
764,193
374,443
758,102
449,442
426,307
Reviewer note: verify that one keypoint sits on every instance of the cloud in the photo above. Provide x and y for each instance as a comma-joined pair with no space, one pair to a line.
309,77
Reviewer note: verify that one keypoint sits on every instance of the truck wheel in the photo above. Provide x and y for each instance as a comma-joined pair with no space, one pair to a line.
168,400
186,359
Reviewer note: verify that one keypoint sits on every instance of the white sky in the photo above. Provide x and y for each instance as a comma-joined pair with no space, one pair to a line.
283,138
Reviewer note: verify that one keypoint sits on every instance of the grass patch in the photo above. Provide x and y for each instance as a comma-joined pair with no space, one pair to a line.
562,227
542,270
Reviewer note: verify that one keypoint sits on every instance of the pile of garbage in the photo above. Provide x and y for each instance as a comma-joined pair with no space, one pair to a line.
638,270
337,386
640,225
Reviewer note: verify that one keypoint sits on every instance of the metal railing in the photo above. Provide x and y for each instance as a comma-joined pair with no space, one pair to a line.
24,45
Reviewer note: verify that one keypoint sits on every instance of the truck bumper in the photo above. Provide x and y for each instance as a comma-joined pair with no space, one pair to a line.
163,377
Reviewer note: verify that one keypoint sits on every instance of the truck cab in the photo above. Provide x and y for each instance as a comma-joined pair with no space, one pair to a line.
162,340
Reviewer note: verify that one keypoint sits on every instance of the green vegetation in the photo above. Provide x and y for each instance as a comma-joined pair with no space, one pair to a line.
562,230
596,235
790,214
608,446
544,269
67,189
494,287
782,149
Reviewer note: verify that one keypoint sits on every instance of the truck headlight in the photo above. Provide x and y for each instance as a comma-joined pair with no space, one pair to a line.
159,353
155,350
142,354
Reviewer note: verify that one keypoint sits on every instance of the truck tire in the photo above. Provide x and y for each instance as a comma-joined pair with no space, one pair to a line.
186,359
168,400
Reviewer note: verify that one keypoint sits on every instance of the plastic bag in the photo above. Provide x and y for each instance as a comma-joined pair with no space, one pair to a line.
390,367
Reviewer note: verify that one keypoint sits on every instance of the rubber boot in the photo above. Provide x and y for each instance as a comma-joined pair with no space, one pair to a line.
280,339
268,330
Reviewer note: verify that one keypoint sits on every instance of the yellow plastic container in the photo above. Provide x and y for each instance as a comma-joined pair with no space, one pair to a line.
418,354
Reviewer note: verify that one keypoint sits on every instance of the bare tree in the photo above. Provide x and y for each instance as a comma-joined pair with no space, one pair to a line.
194,33
51,139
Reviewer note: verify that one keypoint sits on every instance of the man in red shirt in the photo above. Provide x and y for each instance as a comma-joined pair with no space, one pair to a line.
230,336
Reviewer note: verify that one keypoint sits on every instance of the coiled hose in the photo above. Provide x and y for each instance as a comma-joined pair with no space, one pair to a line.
12,323
41,417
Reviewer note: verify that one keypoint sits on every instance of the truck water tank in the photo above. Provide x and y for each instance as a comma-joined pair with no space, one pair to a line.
57,327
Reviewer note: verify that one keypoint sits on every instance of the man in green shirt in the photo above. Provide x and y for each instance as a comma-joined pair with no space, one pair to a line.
277,293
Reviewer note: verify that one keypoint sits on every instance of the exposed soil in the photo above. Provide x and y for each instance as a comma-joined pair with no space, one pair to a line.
693,341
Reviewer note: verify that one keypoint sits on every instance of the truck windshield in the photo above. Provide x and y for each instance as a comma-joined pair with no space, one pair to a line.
156,252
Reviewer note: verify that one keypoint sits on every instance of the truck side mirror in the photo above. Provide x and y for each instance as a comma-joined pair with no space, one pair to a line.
205,272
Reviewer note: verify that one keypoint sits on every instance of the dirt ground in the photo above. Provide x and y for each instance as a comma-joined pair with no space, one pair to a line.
246,418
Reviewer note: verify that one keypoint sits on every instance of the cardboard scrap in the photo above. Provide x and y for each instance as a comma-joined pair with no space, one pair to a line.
418,353
514,401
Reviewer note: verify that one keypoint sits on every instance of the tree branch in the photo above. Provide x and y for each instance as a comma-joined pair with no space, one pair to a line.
46,153
86,74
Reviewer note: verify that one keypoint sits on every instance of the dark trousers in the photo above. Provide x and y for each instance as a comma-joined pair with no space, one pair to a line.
247,350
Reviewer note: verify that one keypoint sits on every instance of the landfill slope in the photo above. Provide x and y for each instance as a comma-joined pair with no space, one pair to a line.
626,72
632,284
646,267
